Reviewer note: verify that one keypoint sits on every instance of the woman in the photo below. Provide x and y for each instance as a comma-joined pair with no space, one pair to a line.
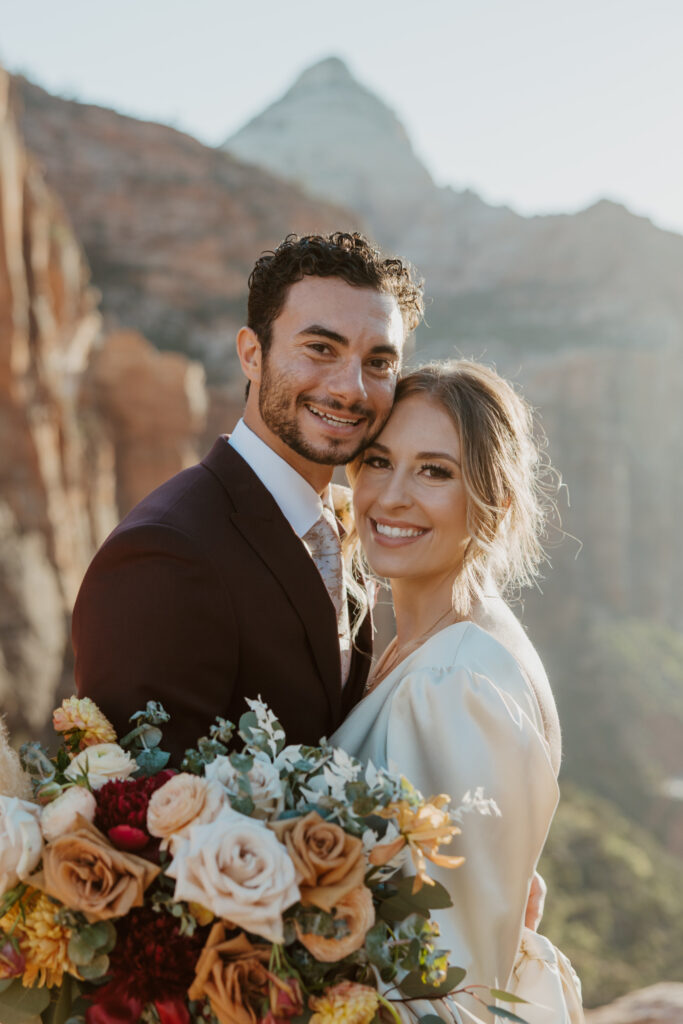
450,506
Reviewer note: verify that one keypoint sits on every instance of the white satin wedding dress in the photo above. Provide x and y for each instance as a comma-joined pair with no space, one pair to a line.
458,714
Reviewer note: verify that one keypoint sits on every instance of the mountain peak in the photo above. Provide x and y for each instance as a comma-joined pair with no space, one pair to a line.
340,141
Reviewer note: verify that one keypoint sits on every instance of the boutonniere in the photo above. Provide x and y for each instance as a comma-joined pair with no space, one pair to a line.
343,506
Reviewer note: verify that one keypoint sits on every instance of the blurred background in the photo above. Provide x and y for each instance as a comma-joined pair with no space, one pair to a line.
528,158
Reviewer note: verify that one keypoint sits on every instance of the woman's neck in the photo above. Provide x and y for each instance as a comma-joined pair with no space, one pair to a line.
419,604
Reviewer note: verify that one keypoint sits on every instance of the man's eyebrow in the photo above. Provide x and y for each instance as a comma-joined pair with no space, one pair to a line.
324,332
319,331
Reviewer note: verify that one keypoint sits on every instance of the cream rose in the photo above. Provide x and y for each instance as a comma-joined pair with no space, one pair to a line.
264,779
62,814
22,843
238,869
103,762
183,801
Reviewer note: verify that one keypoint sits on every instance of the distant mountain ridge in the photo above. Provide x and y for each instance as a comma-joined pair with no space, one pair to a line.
600,276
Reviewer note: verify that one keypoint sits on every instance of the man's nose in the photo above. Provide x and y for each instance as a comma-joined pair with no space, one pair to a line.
347,383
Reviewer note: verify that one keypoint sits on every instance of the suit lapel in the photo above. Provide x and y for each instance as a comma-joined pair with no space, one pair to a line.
262,524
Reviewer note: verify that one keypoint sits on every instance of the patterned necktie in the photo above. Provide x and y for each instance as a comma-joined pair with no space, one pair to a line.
322,540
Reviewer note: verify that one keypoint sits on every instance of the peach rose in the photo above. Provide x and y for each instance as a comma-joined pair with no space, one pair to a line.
329,862
183,801
236,868
85,872
357,910
232,976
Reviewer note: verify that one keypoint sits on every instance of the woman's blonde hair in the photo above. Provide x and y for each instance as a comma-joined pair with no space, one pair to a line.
505,470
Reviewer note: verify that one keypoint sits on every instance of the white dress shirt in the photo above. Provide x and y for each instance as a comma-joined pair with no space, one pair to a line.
299,503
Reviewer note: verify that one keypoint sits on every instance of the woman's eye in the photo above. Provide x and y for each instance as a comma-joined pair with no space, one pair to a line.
435,472
376,462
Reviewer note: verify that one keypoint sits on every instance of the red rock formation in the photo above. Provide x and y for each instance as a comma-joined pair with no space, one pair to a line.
155,404
55,500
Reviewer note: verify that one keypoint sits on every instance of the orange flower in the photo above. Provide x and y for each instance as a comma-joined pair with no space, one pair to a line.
346,1003
81,713
85,872
329,862
358,911
424,829
232,975
43,943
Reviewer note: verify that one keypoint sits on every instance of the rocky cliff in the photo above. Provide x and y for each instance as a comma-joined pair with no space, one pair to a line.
88,424
171,228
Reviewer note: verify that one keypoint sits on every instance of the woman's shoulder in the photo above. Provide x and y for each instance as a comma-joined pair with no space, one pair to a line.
468,656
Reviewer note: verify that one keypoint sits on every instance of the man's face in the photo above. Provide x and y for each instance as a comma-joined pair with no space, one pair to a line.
328,379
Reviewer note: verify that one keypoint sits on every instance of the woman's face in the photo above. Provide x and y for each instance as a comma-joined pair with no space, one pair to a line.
409,498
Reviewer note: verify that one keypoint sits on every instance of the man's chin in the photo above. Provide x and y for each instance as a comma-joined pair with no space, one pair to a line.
333,453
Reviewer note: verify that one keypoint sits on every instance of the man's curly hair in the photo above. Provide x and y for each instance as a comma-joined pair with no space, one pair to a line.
350,257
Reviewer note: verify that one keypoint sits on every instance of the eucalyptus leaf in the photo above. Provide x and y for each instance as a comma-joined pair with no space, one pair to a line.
150,762
60,1009
413,986
506,1014
506,997
5,984
97,968
19,1005
431,1018
81,948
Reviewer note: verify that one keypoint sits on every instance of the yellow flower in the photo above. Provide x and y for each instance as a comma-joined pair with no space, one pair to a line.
346,1003
424,829
81,713
42,941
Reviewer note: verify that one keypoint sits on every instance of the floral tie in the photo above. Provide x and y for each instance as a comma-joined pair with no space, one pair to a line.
322,540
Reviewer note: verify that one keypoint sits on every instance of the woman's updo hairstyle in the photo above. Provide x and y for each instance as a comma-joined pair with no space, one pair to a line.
506,474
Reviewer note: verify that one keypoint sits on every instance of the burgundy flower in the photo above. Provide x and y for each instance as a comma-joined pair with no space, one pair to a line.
151,955
122,812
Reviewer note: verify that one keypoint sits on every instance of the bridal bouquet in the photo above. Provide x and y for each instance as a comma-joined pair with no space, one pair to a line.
251,887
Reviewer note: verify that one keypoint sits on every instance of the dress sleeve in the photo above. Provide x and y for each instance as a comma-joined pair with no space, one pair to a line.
454,729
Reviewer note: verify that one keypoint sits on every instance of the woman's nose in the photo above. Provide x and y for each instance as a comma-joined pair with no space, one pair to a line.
395,492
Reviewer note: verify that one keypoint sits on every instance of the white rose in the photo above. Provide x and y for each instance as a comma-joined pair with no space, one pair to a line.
185,800
264,779
103,762
237,868
61,815
21,845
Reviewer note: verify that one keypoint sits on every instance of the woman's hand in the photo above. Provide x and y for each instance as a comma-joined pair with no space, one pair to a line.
536,902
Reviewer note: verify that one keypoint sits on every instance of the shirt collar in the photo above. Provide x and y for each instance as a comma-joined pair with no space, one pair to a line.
298,501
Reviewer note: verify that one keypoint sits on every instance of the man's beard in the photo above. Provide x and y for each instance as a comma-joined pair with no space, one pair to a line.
279,413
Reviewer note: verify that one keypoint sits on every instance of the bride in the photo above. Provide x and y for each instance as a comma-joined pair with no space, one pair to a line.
450,507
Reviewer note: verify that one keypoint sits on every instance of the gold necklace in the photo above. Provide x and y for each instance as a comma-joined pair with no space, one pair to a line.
394,654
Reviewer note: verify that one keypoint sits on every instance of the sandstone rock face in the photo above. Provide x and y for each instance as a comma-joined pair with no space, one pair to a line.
155,405
658,1004
171,228
88,425
54,502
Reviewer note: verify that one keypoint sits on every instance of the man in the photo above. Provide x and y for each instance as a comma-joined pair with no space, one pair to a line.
226,581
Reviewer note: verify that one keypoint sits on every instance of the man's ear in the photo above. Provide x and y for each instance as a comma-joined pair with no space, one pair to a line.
249,354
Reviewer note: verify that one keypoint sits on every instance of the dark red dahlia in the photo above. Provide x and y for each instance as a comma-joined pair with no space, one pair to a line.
122,812
151,959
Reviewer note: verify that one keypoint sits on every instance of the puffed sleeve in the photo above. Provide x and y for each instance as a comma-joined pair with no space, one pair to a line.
452,729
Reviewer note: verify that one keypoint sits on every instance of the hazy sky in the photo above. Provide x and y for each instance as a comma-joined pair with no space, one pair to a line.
542,104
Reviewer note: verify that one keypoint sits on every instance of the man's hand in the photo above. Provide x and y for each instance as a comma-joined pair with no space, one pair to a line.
534,907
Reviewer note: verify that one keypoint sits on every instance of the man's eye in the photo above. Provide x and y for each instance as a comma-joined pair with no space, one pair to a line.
320,346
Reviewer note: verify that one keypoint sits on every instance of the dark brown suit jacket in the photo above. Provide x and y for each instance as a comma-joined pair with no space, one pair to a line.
204,595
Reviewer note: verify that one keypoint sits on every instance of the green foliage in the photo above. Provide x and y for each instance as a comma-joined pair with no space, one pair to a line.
143,741
615,899
620,697
19,1005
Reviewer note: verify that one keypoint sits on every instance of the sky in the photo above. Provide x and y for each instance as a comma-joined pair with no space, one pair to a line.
544,105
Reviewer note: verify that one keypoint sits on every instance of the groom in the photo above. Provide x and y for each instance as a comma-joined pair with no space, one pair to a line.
226,582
